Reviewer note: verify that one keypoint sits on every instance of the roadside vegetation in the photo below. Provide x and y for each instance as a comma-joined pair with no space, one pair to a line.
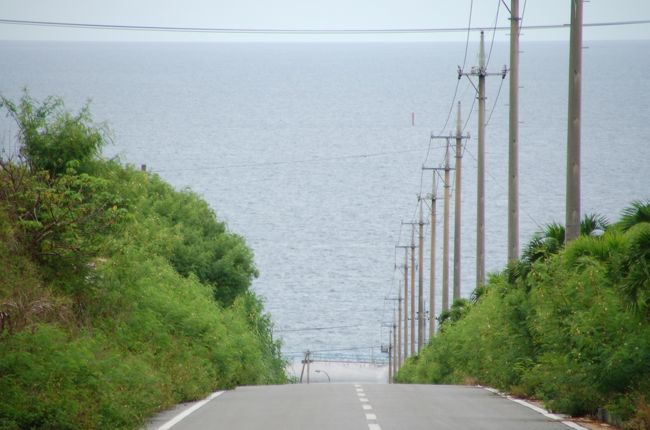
119,296
568,325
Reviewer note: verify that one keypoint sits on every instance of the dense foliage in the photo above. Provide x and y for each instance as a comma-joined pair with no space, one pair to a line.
119,296
569,325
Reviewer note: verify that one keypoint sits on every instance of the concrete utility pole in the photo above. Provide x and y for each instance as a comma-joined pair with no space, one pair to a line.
405,301
445,252
480,193
573,129
395,349
481,72
445,234
397,327
390,356
398,345
421,326
413,316
432,268
457,203
513,157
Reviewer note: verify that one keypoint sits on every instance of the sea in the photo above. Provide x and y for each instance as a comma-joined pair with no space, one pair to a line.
313,152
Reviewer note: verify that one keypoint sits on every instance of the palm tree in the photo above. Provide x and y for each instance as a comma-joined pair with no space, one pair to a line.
636,213
544,243
635,222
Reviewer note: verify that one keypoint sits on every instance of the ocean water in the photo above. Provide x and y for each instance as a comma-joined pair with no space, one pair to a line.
310,153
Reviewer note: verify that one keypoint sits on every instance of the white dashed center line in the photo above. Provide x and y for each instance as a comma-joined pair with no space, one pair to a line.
366,407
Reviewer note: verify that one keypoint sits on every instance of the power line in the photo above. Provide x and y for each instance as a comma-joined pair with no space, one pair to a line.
314,328
496,19
232,30
453,100
495,103
303,161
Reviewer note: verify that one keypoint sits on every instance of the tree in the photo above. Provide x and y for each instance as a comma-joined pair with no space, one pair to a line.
53,139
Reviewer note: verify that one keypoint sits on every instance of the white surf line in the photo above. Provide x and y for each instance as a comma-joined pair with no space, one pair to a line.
169,424
537,409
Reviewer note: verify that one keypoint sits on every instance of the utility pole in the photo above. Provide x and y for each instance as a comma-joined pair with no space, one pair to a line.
395,349
513,146
390,356
413,316
573,129
421,326
457,203
480,193
398,346
406,299
397,330
432,268
445,234
481,72
412,300
445,245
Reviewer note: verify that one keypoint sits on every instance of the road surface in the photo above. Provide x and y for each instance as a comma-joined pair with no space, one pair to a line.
358,407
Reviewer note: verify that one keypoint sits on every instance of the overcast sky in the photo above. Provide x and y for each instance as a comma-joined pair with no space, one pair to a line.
308,14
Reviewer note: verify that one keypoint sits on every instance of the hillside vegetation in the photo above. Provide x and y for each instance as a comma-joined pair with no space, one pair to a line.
569,325
119,296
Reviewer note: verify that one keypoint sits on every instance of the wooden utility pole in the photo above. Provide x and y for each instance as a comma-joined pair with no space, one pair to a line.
513,147
573,128
481,72
457,203
421,326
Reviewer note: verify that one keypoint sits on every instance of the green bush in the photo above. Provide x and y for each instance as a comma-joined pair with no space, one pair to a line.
120,295
567,325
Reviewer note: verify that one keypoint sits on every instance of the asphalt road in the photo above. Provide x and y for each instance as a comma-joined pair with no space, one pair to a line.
359,407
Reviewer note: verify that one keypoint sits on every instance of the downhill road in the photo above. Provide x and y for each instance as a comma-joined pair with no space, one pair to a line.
359,407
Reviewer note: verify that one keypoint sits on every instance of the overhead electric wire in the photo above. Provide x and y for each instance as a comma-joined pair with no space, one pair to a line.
494,32
230,30
495,103
313,328
303,161
453,99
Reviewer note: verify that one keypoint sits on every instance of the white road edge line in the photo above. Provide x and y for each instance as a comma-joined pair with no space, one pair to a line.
537,409
573,425
169,424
